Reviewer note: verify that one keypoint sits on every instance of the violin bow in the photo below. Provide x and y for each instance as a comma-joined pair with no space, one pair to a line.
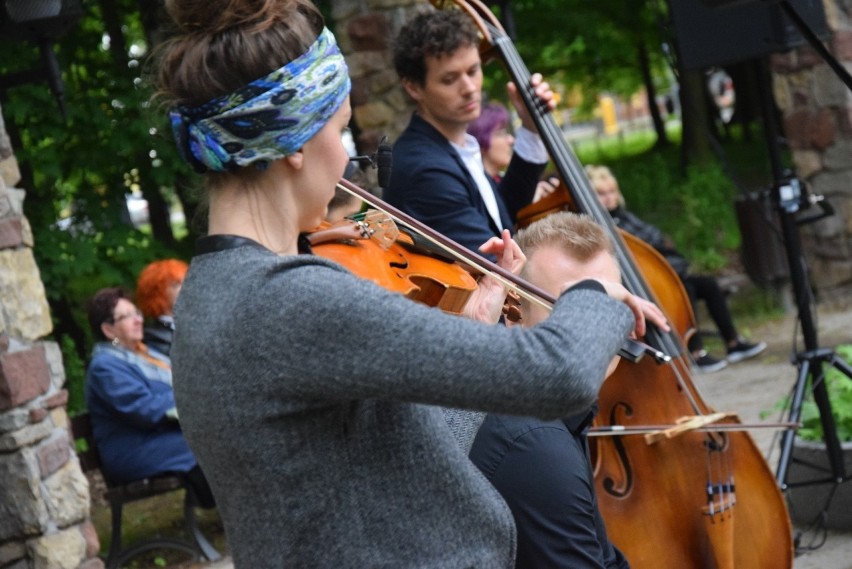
632,350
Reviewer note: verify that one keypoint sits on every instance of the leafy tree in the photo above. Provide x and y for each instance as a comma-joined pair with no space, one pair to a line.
78,169
605,46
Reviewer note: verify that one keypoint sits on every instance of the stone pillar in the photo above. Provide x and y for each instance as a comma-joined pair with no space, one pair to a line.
817,113
44,496
364,31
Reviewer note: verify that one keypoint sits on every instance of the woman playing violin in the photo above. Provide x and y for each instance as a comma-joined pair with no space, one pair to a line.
308,394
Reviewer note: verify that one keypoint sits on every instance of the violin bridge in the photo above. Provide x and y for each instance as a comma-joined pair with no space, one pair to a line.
379,226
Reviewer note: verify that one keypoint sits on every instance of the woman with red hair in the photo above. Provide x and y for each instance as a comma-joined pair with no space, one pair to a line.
156,291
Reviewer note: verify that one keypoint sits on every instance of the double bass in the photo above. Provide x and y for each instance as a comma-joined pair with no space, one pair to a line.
702,498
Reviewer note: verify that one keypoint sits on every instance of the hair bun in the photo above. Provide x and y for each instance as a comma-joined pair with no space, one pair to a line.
213,16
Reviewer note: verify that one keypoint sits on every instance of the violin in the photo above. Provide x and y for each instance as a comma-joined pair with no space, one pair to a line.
375,242
426,266
703,497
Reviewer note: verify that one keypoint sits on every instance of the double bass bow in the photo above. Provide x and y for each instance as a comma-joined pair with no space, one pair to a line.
706,497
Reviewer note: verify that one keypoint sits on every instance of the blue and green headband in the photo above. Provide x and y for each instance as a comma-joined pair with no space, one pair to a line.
269,118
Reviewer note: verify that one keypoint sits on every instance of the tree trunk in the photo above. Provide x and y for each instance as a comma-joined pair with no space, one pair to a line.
695,146
112,23
159,213
651,91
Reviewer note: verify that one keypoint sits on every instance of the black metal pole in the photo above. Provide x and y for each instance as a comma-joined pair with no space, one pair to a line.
786,198
815,42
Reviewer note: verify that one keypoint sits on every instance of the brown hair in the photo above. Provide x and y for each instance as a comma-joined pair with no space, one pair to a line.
154,280
101,306
434,33
226,44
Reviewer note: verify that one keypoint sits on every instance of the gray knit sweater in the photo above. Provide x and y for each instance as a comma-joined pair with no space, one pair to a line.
309,397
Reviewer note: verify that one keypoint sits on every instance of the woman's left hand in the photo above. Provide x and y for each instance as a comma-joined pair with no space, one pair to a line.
486,302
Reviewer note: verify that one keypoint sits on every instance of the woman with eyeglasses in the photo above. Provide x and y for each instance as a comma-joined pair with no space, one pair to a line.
130,399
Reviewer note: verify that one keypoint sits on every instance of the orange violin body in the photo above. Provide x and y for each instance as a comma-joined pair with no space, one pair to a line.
397,265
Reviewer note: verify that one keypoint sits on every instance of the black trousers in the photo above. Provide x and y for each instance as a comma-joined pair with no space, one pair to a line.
706,288
196,479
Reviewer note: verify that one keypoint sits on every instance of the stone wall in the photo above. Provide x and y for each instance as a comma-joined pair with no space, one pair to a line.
44,496
817,113
364,30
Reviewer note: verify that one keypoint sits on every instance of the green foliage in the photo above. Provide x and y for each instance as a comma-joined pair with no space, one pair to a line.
79,169
696,209
75,376
840,395
592,44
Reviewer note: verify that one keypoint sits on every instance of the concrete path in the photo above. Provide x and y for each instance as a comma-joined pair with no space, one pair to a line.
754,386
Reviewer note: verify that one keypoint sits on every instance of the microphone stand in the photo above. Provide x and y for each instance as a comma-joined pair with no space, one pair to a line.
381,159
789,197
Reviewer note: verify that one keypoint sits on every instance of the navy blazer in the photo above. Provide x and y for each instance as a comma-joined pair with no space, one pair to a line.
430,182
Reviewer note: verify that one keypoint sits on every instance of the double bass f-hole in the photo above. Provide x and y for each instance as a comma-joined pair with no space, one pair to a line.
618,481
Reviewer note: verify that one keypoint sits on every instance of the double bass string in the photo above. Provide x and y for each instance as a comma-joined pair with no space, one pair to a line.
573,175
763,517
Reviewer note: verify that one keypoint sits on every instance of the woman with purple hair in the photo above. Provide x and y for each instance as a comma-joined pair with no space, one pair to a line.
491,130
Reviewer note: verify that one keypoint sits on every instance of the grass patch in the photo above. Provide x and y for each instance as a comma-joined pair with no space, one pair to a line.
154,517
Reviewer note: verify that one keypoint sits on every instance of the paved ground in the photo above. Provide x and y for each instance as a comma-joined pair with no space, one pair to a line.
752,387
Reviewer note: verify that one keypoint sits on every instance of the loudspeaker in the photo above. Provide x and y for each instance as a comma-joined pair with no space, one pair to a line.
762,251
716,32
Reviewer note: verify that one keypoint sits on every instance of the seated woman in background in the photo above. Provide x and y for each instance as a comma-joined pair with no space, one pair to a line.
156,291
698,287
491,131
130,400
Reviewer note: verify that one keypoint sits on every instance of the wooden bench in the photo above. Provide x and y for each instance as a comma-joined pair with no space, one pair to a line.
119,494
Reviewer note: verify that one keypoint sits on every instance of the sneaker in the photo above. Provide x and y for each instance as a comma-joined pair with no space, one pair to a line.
744,350
707,363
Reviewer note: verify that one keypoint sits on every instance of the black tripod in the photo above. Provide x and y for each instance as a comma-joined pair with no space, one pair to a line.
789,197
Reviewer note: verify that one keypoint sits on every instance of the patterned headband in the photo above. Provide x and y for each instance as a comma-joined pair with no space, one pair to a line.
269,118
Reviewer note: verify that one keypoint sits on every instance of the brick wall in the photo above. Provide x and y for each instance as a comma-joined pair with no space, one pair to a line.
817,113
44,496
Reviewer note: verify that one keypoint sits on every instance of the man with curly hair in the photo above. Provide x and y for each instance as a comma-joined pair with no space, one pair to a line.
438,176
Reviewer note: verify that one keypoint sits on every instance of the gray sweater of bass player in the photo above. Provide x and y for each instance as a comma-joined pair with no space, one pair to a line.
311,400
